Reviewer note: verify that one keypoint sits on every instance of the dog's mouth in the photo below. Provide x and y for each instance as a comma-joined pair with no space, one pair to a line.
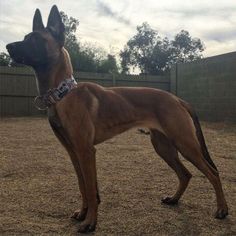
17,58
14,53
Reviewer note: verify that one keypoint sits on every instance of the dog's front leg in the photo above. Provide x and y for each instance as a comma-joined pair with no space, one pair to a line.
79,128
63,138
87,164
80,214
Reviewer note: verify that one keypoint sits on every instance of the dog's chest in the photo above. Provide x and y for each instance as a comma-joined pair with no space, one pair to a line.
53,118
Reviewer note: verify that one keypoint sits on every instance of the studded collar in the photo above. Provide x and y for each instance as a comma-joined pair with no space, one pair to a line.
43,102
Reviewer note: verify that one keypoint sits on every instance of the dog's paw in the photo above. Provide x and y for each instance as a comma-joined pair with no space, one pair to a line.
80,215
86,227
169,201
221,213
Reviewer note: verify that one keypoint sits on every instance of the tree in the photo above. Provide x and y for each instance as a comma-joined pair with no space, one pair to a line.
87,56
139,48
151,54
71,25
185,48
125,60
4,59
108,65
160,58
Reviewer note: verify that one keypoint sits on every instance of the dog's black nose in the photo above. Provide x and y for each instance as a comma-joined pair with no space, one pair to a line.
10,46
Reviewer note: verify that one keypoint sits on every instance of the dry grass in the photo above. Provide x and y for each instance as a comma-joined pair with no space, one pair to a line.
39,189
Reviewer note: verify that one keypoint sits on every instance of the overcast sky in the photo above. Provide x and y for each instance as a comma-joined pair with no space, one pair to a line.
111,23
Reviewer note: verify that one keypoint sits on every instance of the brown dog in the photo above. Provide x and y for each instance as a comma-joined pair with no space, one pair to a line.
86,114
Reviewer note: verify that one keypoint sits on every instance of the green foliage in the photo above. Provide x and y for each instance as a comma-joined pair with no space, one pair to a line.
150,53
86,57
108,65
4,59
71,25
185,48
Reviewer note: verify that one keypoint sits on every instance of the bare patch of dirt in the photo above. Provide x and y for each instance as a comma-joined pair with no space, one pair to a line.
39,190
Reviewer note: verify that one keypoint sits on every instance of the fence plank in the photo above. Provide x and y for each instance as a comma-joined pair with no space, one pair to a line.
18,87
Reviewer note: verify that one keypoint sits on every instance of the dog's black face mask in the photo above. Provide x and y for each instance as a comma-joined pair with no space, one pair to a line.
31,51
43,44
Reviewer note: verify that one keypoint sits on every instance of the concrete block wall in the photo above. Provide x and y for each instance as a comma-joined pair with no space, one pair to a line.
209,85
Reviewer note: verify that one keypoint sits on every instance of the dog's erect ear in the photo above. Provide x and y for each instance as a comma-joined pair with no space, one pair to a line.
37,21
55,25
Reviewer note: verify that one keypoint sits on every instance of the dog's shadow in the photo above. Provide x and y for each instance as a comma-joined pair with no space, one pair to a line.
185,223
189,224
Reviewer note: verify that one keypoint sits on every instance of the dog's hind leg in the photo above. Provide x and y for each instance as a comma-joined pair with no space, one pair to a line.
190,149
169,154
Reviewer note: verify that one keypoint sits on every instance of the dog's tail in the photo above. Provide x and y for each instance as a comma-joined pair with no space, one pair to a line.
199,133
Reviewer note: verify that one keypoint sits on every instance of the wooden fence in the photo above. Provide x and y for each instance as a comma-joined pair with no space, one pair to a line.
18,87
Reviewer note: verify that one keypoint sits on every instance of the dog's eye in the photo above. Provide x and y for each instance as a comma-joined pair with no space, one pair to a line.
29,37
32,37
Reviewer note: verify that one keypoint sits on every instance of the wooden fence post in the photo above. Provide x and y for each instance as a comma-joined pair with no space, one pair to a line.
113,80
174,79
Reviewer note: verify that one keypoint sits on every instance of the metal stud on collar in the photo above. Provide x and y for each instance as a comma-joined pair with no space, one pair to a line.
40,104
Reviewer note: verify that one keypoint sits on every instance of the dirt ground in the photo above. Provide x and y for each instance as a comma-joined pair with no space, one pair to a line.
39,191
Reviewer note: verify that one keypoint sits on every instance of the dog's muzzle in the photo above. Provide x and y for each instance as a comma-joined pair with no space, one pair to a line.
15,52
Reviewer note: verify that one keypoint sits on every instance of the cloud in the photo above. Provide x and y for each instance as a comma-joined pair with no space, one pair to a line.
112,23
199,11
221,35
104,9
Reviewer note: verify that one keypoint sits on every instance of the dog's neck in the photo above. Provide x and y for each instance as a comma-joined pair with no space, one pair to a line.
51,76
